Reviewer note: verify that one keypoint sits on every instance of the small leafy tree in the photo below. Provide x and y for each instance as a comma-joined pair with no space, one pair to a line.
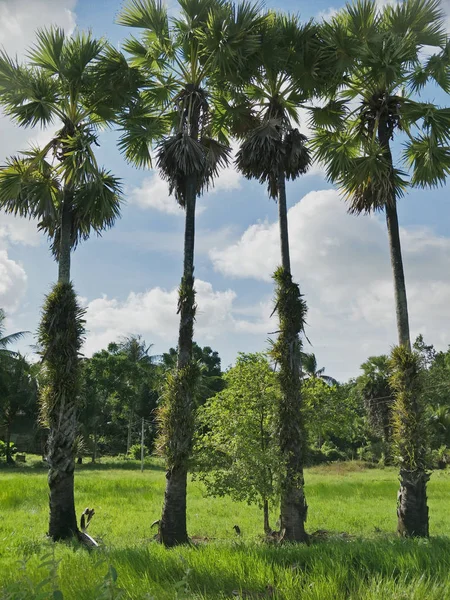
378,396
236,448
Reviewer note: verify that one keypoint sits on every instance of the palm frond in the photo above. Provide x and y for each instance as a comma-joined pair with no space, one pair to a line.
140,126
146,14
424,19
28,186
47,52
429,160
95,208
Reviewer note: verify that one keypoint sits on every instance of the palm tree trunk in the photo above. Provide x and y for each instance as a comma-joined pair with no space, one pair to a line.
267,528
65,241
401,303
63,424
293,508
283,222
180,409
412,509
61,460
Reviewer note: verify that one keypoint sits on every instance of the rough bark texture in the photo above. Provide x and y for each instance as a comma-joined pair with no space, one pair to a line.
178,416
61,461
412,508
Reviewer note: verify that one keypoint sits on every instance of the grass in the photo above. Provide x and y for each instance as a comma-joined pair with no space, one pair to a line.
367,562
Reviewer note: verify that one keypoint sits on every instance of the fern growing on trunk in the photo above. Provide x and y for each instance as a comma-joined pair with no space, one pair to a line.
409,434
61,336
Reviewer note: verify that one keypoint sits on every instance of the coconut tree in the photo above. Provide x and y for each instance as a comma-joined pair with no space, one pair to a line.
180,59
386,69
272,151
310,369
63,188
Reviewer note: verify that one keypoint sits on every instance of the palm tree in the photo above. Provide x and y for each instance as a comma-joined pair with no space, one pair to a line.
180,59
62,187
309,369
273,150
382,51
378,397
137,353
18,393
10,380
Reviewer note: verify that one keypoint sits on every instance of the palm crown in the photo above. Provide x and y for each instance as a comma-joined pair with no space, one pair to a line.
63,83
285,78
181,60
383,53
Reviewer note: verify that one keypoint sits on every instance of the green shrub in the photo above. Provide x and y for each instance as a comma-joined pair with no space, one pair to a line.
135,451
12,447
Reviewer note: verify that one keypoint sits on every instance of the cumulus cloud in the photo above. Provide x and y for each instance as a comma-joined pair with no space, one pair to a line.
343,266
154,314
13,282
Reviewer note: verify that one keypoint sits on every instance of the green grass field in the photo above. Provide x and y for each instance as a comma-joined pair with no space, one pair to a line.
359,558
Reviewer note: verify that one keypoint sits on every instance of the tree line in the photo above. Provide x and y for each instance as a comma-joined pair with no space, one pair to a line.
177,94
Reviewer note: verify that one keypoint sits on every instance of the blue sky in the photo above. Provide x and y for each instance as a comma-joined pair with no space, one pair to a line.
128,278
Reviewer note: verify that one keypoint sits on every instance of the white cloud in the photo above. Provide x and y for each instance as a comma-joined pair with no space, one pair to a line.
18,230
154,314
154,193
21,18
13,282
343,267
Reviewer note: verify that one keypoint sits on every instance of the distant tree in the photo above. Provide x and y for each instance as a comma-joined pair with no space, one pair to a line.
236,449
309,369
427,352
378,396
18,393
329,411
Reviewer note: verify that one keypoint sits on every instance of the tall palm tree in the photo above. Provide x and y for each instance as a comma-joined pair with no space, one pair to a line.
64,189
273,150
311,371
386,68
180,59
